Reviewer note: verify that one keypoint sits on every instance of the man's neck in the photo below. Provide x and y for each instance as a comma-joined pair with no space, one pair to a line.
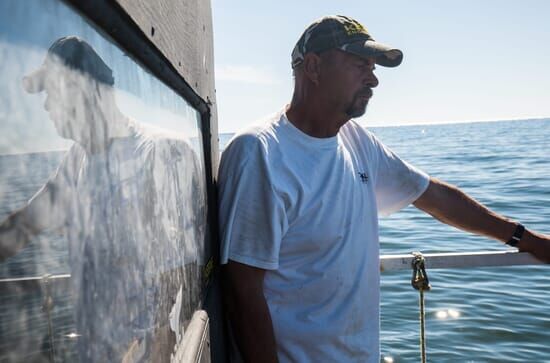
314,119
117,126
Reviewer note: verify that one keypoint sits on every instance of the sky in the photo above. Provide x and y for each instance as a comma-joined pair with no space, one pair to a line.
466,60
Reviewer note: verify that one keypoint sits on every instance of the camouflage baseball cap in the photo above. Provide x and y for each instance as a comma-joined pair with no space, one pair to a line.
347,34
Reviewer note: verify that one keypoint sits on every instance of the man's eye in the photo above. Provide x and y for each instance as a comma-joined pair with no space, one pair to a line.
365,66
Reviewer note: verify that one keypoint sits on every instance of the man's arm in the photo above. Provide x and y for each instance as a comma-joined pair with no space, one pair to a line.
15,234
450,205
18,229
249,313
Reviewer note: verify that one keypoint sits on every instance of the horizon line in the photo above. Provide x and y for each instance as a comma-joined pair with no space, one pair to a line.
421,123
427,123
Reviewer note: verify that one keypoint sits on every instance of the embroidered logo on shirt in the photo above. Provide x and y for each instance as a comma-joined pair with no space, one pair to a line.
364,177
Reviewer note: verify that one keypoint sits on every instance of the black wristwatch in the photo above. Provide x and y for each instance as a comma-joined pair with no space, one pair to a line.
516,237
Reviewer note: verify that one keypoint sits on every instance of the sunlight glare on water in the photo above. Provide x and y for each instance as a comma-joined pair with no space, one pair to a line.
447,314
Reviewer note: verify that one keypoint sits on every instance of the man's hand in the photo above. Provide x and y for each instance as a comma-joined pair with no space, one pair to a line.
536,244
248,312
450,205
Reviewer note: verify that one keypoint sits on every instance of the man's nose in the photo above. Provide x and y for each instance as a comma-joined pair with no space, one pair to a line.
370,79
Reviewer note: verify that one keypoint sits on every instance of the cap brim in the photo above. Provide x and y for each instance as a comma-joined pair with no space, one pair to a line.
34,82
385,55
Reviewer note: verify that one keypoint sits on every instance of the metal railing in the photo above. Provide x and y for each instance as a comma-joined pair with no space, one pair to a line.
459,260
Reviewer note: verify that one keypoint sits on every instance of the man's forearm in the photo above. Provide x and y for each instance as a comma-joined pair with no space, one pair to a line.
452,206
251,323
249,313
43,211
14,235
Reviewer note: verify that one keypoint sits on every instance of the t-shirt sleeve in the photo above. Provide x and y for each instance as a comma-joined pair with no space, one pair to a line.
252,216
398,183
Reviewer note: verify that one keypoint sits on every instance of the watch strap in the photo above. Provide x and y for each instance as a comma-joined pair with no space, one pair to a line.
516,237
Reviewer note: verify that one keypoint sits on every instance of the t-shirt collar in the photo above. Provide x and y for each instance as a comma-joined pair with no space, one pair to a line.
305,139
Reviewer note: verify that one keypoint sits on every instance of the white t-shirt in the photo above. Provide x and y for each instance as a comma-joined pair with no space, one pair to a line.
306,209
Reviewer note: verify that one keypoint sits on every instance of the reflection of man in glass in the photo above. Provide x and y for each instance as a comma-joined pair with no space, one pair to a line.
122,196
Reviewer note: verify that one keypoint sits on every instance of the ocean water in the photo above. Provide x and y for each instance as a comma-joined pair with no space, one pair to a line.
497,314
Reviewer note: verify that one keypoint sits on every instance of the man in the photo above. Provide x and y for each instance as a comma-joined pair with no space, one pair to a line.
130,201
299,201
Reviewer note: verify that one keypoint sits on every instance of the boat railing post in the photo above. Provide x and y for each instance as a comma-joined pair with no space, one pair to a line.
421,283
47,307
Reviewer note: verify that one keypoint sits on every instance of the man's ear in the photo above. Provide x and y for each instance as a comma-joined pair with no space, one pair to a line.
312,67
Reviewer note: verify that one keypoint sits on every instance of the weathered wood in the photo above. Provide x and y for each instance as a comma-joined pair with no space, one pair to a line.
183,32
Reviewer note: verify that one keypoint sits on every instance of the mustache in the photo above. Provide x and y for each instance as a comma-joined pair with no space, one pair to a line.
366,92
